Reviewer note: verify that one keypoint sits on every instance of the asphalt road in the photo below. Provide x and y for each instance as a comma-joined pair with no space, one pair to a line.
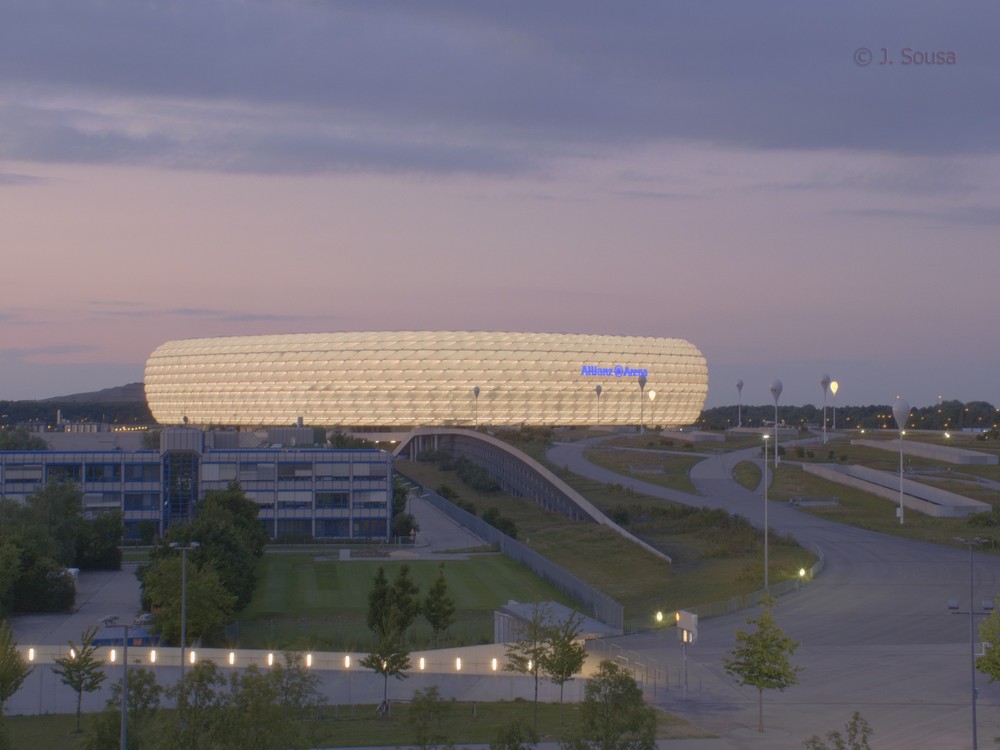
875,632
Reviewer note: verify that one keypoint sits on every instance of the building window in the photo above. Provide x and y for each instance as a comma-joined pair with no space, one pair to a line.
327,500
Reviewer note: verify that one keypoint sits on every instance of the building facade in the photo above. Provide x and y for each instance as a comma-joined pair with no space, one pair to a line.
411,379
301,492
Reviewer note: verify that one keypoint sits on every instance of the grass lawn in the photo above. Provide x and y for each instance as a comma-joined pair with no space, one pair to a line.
867,511
664,469
702,571
309,600
357,726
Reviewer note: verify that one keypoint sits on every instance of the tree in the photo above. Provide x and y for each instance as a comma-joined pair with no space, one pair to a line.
209,604
202,701
613,715
516,735
389,658
378,601
855,737
566,654
989,632
13,668
391,610
527,655
404,599
143,703
81,670
760,657
19,439
425,716
439,607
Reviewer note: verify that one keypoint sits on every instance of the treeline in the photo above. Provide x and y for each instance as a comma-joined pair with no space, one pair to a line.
45,412
251,708
948,415
41,539
223,542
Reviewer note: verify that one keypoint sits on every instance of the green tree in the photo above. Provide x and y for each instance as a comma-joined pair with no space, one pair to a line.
761,657
143,706
855,737
515,735
209,604
98,542
439,606
19,439
404,599
389,658
296,687
203,701
57,508
14,670
10,570
527,655
378,601
989,632
565,655
257,720
613,715
81,669
426,715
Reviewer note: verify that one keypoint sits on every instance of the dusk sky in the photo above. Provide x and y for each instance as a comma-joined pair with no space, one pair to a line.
754,178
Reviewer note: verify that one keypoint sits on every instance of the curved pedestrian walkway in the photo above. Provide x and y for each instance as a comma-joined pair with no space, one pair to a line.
875,632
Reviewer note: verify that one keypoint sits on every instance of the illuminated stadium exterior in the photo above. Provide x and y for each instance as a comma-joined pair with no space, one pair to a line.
409,379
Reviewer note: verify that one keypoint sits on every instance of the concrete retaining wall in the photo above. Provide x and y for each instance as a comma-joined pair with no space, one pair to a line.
920,497
945,453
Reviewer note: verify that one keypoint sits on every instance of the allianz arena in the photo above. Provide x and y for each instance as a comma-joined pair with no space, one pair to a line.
411,379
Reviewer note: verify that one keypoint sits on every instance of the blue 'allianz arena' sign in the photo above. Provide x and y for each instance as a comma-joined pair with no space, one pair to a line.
618,371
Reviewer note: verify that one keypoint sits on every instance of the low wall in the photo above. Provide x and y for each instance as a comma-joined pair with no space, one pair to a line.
946,453
928,500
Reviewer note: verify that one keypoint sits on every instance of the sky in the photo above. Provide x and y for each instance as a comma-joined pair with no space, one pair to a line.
798,189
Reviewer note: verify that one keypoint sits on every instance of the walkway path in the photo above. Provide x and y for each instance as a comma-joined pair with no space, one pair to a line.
875,631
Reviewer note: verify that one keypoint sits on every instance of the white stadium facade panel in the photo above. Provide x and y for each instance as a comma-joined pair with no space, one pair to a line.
409,379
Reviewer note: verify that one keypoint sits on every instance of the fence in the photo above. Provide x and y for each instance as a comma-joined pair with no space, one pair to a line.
597,604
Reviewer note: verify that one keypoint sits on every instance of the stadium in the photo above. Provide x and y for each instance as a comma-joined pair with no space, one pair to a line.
400,380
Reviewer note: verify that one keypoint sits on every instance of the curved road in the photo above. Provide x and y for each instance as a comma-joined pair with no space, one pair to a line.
875,632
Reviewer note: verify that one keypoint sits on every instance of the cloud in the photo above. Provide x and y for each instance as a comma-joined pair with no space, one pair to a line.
302,87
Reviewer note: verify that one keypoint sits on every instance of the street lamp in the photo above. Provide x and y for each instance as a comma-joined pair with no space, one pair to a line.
597,390
901,412
834,385
184,550
475,393
987,607
642,387
739,403
652,398
825,382
766,436
776,391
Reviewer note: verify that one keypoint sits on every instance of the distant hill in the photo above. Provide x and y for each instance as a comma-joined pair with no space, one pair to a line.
131,393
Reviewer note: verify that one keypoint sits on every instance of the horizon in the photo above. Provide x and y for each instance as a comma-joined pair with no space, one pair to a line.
742,177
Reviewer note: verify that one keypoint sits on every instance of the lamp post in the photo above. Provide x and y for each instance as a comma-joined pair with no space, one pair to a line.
775,392
597,390
834,385
739,403
652,398
642,387
825,383
766,436
987,606
475,393
901,412
184,550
